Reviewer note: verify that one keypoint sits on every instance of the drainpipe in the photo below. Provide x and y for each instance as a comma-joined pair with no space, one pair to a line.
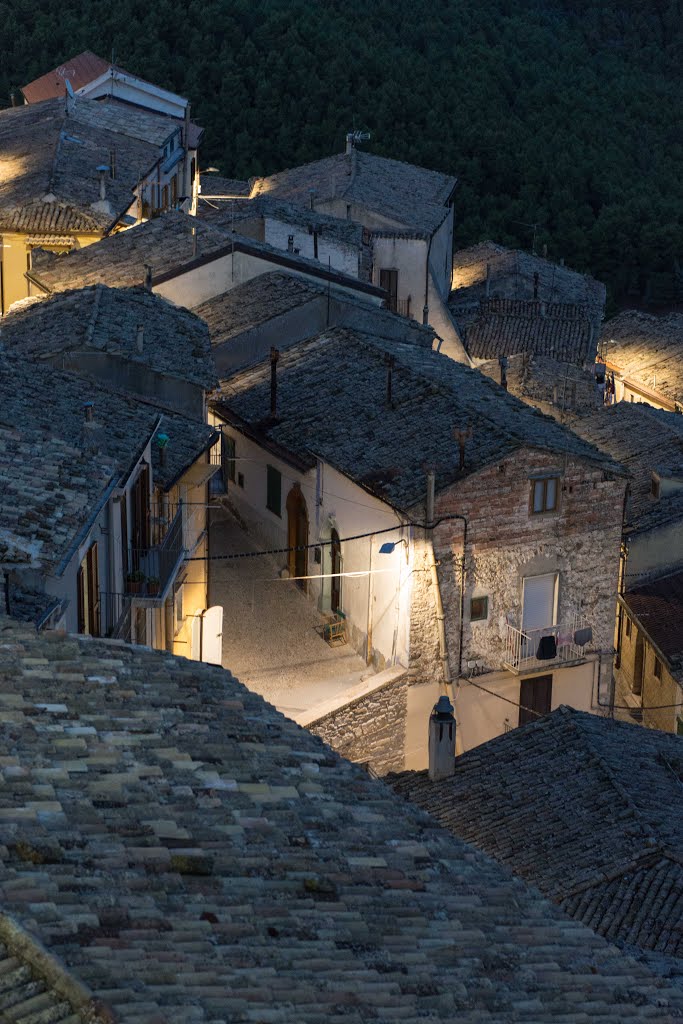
425,309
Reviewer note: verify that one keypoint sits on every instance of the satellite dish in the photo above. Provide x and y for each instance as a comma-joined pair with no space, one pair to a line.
69,89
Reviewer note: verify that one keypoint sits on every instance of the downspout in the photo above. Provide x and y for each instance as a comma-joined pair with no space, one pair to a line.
440,617
425,308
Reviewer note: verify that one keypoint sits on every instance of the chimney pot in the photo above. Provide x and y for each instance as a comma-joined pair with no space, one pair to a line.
140,339
442,740
88,409
148,277
349,142
503,363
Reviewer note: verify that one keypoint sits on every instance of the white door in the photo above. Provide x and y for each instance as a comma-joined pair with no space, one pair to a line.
212,635
539,601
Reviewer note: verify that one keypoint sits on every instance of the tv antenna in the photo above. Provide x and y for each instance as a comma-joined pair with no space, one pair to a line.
536,225
355,137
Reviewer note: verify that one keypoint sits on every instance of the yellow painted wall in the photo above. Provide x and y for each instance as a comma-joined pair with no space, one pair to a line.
15,263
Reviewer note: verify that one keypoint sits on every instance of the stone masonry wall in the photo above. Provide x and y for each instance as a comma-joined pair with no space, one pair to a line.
370,729
505,543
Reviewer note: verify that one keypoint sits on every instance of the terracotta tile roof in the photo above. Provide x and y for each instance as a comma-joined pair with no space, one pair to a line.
49,490
505,327
175,342
212,861
407,196
332,403
49,183
511,275
645,440
658,607
52,402
647,349
79,70
585,808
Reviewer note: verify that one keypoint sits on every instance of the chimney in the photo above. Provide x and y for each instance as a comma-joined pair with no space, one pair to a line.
390,363
462,436
536,285
102,170
274,356
349,142
431,484
311,198
140,339
488,280
503,363
88,409
441,740
148,277
14,98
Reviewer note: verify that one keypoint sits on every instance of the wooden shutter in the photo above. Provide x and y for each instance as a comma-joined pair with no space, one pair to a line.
80,591
93,585
388,280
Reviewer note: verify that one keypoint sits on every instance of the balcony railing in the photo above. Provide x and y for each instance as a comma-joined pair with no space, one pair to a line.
402,307
116,615
522,646
157,564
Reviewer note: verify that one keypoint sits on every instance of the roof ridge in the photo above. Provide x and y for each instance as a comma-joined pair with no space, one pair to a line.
648,831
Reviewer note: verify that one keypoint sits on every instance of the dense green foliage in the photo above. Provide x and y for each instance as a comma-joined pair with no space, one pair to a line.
560,113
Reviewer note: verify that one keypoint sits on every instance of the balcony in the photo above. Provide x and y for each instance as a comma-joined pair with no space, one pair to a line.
522,647
157,565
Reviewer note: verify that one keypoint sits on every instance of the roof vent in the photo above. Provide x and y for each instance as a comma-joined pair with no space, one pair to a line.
103,170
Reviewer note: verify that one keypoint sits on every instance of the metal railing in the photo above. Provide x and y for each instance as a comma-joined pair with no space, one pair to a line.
116,616
522,645
402,307
155,565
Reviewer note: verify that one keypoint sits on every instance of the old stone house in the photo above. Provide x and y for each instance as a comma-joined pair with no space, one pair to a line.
644,353
230,865
74,171
649,663
98,542
492,585
126,337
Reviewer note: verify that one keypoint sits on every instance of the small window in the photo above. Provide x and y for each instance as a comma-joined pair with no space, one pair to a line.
628,626
544,494
479,609
658,668
274,490
654,486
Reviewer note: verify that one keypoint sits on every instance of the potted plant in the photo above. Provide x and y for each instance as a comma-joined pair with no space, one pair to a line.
152,586
134,581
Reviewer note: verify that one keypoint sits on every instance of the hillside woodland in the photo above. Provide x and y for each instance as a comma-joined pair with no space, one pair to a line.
561,118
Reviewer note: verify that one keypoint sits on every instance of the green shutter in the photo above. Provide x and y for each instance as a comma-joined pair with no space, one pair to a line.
274,490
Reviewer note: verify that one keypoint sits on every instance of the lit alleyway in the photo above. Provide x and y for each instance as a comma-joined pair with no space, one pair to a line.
271,632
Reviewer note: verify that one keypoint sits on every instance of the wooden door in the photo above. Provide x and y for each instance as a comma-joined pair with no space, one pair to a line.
536,695
297,534
388,280
335,567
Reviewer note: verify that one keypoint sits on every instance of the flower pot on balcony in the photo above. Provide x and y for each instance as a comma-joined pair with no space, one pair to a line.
134,582
152,586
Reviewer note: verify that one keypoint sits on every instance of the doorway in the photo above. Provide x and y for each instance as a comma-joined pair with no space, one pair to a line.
535,695
297,536
335,568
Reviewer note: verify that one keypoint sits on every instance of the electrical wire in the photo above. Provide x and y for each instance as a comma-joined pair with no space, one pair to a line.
539,714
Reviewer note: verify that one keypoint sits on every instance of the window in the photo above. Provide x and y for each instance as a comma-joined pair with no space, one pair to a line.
479,609
388,280
628,626
544,494
274,490
539,601
658,668
228,457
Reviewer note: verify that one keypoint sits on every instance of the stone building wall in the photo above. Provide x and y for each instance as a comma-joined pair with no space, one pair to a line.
580,541
370,729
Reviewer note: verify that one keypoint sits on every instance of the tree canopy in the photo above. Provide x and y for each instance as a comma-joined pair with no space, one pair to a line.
561,118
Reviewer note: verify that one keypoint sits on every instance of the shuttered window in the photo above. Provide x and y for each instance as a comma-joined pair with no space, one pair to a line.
539,601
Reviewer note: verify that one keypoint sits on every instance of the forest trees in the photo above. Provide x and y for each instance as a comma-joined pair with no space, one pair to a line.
563,114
